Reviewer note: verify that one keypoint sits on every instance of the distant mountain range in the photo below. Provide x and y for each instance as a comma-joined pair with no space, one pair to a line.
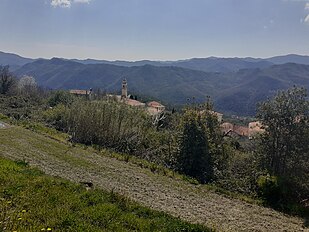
235,84
210,64
13,60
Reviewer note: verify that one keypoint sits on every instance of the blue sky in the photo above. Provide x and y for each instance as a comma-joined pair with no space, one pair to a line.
154,29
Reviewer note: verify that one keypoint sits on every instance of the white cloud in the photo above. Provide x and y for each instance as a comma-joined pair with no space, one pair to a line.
66,3
61,3
82,1
307,6
306,20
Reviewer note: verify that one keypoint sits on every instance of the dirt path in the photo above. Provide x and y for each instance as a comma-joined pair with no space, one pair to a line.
177,197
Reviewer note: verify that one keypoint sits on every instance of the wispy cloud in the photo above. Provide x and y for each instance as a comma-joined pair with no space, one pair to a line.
61,3
66,3
306,20
82,1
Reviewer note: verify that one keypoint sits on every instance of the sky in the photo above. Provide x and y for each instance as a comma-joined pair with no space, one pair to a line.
154,29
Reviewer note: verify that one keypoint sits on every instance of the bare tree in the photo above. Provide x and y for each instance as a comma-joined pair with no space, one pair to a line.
27,85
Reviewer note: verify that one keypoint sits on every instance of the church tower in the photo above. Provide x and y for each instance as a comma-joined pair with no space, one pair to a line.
124,90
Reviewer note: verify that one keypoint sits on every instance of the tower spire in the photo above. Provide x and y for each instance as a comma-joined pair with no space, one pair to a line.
124,90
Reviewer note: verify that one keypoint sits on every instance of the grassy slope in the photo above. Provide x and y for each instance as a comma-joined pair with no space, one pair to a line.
179,198
32,201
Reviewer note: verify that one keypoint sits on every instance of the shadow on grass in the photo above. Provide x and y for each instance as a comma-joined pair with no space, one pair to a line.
306,222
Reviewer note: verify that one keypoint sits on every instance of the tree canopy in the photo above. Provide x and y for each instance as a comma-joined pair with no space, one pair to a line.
7,81
284,145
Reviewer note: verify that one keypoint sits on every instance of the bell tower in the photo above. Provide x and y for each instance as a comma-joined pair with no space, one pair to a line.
124,90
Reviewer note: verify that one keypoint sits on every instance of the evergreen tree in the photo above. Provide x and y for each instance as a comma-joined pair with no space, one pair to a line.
194,156
7,81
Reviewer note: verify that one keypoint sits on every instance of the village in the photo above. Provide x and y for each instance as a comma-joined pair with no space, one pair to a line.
155,108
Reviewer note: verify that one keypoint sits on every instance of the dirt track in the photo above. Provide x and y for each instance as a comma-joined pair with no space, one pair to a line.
177,197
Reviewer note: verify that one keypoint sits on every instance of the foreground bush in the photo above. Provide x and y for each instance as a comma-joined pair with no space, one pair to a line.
108,124
241,173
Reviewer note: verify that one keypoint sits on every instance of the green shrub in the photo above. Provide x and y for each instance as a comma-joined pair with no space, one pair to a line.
3,117
60,97
108,124
55,117
20,107
241,172
269,188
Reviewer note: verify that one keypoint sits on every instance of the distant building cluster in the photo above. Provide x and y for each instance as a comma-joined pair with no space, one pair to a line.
153,108
253,129
234,130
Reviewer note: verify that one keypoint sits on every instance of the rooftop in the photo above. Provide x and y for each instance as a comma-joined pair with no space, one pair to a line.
155,104
132,102
79,92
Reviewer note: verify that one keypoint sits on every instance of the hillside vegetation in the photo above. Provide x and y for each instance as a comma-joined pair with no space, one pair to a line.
195,203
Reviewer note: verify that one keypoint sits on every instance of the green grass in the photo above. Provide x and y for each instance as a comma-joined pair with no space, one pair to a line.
32,201
3,117
37,127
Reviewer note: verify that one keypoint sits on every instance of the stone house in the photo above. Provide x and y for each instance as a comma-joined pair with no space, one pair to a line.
255,128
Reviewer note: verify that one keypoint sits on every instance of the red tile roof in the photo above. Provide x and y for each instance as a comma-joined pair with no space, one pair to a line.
229,127
155,104
241,130
132,102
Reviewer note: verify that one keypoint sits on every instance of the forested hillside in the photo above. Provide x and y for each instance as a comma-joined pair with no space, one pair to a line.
235,92
236,85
